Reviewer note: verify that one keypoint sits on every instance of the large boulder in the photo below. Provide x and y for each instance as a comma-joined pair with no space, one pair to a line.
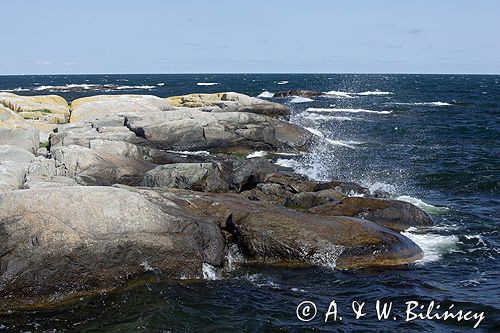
394,214
198,130
48,108
82,134
15,131
270,233
204,177
14,162
90,167
230,102
57,244
89,108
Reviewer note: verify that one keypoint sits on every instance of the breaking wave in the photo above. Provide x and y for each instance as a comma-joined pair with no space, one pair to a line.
91,87
207,83
433,245
298,99
346,110
266,94
426,103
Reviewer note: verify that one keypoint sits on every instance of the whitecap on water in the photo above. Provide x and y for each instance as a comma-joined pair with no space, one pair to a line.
15,90
134,87
347,110
298,99
207,83
334,93
266,94
374,93
433,245
438,103
318,133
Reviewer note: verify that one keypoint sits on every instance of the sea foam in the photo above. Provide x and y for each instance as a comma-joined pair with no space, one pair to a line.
207,83
433,245
266,94
298,99
438,103
422,205
347,110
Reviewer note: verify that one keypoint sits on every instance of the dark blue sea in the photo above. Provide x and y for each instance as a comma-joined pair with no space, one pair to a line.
433,140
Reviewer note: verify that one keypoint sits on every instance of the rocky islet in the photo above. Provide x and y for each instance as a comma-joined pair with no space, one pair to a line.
123,184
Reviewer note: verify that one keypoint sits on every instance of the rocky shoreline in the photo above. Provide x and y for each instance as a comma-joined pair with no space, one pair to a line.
97,192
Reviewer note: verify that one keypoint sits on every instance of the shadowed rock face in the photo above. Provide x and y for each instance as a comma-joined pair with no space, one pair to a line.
270,233
198,130
394,214
56,244
90,167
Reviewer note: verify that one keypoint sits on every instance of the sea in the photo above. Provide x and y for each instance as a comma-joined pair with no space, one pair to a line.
432,140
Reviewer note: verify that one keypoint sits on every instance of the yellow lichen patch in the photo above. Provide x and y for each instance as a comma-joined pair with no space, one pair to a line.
50,104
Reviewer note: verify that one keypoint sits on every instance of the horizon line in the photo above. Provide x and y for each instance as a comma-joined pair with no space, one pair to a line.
254,73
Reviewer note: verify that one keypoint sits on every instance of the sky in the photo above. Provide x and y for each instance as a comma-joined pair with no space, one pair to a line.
190,36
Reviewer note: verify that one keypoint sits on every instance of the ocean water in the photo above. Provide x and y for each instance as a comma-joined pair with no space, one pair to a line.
433,140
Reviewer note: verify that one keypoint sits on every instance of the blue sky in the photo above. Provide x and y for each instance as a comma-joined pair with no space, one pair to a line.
56,36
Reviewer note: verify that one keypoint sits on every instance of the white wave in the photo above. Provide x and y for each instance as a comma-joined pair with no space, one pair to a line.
88,86
282,82
210,272
422,205
68,86
315,132
207,83
15,90
287,163
335,93
348,144
134,87
260,153
298,99
320,117
433,245
196,153
346,110
438,103
374,93
266,94
160,84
